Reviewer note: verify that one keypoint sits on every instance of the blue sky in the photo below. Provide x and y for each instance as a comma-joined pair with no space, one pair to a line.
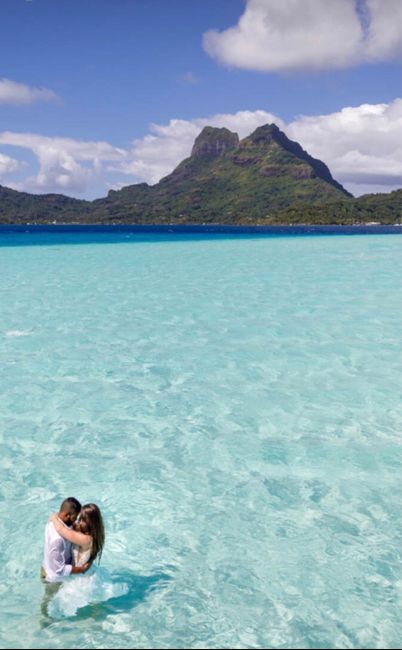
97,94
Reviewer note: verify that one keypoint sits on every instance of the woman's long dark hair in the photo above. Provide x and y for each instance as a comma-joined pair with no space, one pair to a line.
91,523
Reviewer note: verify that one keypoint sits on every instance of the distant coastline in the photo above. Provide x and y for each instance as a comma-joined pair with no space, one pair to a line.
356,229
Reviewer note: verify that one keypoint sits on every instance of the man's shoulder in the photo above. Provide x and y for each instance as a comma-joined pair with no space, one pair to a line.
51,532
50,527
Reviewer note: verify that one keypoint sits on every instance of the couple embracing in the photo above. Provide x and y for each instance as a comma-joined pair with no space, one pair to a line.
74,538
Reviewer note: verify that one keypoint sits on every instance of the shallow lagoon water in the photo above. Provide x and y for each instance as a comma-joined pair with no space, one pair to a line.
233,404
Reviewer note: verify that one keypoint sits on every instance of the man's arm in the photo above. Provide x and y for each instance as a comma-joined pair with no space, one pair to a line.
57,564
55,559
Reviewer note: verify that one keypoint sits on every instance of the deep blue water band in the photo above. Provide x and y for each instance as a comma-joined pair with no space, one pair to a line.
367,229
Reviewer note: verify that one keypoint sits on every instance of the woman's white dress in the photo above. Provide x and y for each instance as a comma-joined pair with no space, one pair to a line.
94,586
81,557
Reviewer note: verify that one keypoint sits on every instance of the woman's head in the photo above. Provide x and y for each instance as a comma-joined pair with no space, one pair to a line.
91,523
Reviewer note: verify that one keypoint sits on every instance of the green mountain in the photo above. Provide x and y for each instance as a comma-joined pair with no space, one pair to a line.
263,179
229,181
21,207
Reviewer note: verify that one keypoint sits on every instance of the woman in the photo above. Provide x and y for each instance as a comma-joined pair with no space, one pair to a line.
87,536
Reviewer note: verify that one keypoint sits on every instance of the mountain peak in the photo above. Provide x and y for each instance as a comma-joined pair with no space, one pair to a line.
265,134
213,142
271,134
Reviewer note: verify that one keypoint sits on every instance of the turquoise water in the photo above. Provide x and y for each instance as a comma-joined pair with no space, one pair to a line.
233,404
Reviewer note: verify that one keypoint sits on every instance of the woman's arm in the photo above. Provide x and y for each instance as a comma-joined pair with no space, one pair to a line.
71,535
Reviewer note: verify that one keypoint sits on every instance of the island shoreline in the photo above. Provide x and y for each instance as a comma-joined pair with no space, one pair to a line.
167,229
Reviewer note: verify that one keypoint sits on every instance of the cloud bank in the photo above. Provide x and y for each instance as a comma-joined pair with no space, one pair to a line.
362,146
65,165
274,36
12,92
8,165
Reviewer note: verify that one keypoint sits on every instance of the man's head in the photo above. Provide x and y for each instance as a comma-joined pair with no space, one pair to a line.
69,510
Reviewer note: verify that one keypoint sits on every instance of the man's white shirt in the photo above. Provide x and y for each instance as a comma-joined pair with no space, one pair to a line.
57,555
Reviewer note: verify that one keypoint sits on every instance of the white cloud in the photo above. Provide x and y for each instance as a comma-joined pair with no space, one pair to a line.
65,165
8,165
12,92
385,33
361,145
309,34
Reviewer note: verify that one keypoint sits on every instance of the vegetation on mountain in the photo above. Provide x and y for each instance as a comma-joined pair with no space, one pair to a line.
369,208
21,207
263,179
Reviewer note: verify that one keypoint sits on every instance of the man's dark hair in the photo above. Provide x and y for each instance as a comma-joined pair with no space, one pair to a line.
71,505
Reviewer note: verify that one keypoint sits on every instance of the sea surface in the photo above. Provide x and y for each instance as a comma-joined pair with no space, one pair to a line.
233,405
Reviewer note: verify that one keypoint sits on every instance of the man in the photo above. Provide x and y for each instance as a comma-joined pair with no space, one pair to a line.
57,556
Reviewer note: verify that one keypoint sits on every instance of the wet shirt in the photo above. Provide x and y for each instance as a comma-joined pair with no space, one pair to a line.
57,555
